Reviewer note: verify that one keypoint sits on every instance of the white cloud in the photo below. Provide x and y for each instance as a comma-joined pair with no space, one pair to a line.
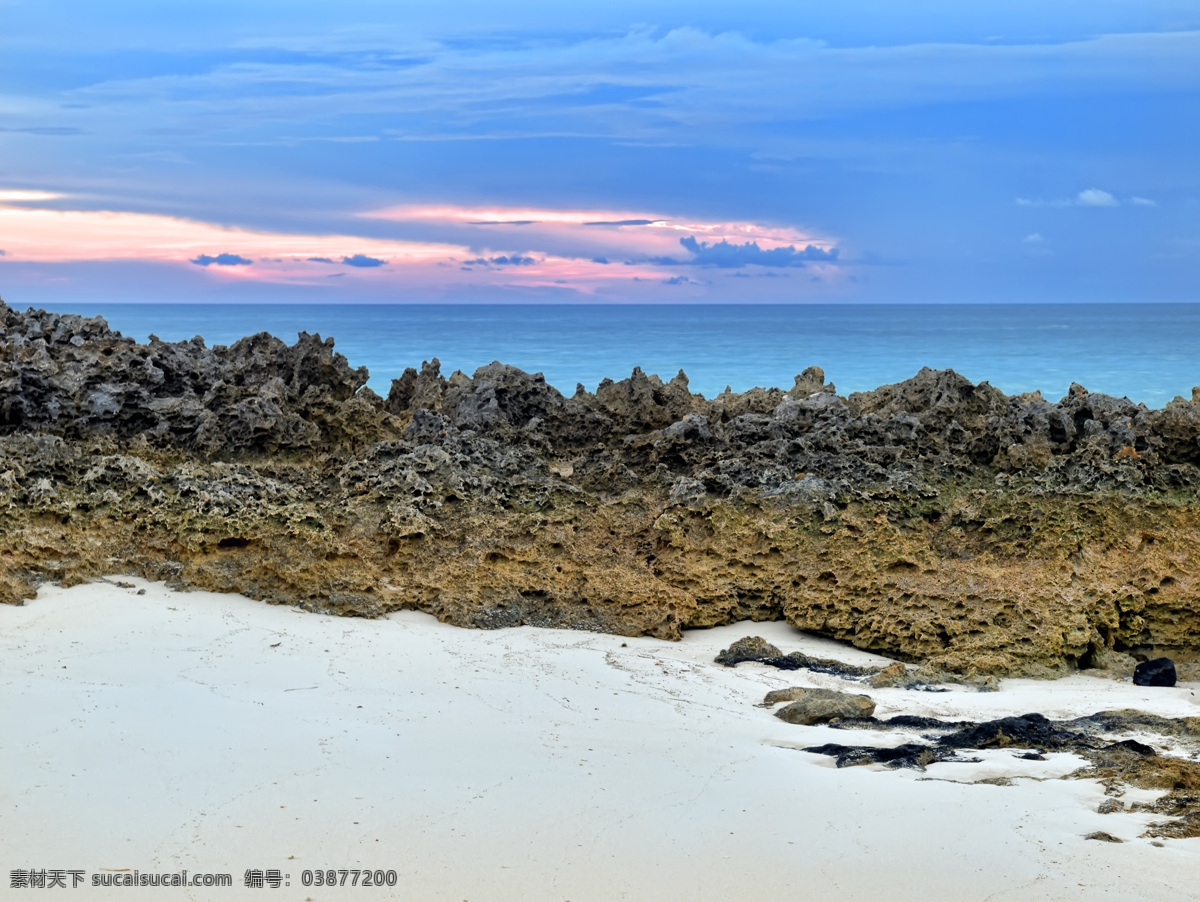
1142,202
1088,197
1035,245
1094,197
10,196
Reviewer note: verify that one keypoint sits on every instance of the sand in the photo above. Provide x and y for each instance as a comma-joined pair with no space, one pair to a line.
147,729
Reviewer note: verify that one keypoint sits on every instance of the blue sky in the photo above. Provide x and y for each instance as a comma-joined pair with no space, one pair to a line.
611,152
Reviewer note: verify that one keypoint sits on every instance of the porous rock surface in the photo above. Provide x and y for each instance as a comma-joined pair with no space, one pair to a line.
936,521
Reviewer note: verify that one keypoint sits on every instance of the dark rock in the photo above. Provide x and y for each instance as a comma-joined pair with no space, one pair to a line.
1132,745
1027,731
644,403
915,722
794,661
751,648
1115,764
76,378
1031,731
799,661
891,675
502,401
1159,672
910,755
1103,837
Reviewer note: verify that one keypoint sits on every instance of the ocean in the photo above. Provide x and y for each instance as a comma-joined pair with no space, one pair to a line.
1146,352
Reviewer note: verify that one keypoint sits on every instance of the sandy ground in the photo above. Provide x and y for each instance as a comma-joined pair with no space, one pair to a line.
163,731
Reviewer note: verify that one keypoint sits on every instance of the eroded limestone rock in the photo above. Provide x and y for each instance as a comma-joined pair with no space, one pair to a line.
935,521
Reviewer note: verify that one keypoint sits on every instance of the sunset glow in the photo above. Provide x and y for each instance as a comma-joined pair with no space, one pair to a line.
579,250
622,152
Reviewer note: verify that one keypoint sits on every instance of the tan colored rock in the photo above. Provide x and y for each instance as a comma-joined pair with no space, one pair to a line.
895,520
823,705
892,675
775,696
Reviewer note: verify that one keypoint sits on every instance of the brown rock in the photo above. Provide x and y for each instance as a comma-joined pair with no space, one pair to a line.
752,648
823,705
892,675
775,696
896,520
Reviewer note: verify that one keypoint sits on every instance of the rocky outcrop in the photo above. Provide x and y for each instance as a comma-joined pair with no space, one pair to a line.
937,521
75,378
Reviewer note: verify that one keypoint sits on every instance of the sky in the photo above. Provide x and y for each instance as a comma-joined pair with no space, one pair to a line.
600,152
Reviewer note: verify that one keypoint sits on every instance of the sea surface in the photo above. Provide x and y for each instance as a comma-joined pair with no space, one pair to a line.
1148,352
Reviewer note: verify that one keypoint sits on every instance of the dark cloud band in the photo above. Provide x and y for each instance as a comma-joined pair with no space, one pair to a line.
733,256
221,260
363,261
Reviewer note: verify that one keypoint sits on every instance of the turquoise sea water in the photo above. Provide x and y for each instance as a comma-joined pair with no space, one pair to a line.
1149,353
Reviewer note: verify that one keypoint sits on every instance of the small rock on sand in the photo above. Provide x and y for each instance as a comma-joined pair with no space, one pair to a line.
1159,672
751,648
823,705
775,696
894,674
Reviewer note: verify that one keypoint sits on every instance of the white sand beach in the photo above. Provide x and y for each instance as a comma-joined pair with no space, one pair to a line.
154,730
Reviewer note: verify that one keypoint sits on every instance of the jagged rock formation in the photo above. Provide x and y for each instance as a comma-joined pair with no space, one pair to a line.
935,520
76,379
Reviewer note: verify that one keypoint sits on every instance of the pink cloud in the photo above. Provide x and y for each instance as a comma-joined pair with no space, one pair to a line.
10,195
619,234
61,235
47,236
593,253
